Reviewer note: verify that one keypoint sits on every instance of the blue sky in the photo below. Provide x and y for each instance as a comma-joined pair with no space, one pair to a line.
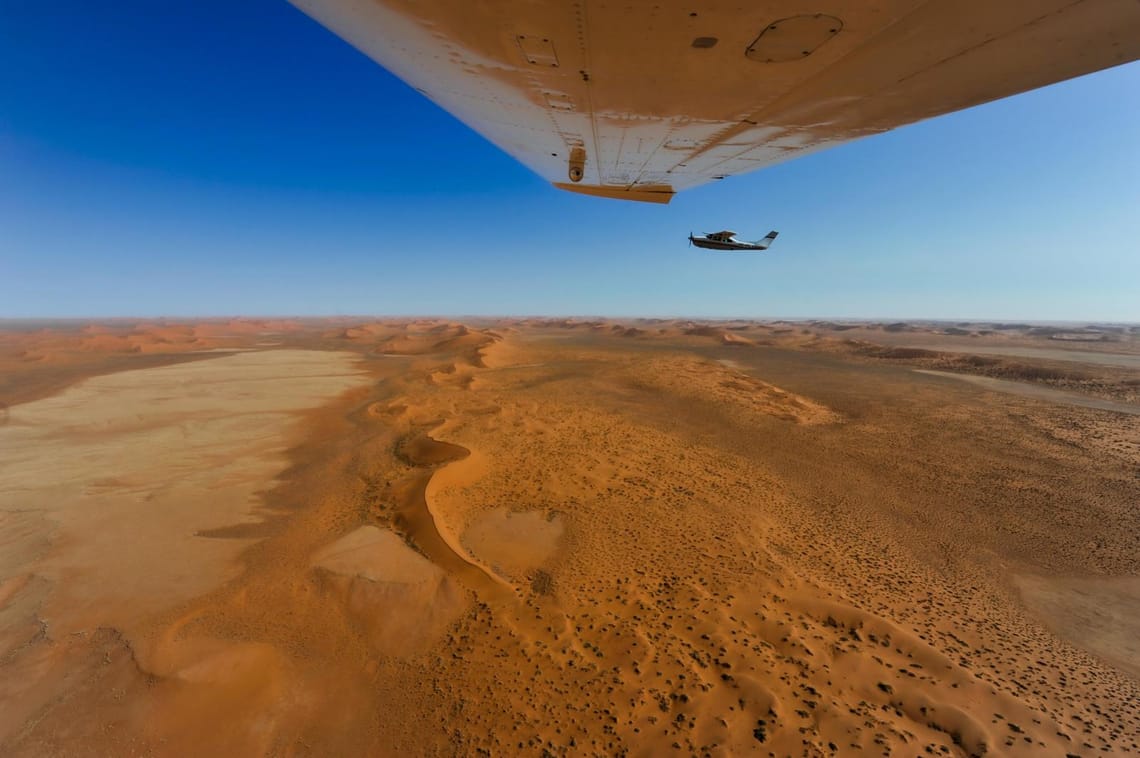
208,158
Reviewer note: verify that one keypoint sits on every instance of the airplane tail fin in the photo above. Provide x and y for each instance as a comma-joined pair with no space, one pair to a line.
764,243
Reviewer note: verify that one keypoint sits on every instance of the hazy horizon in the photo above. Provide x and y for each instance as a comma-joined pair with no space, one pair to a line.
83,319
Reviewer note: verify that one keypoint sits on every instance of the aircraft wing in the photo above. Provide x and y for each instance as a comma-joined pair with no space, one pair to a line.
639,100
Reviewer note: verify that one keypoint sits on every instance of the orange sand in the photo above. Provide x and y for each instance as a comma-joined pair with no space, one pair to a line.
564,537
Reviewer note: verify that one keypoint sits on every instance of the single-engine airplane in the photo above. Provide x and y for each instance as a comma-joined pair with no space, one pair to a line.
728,241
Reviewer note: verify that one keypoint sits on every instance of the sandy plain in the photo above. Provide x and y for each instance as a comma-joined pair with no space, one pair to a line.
568,537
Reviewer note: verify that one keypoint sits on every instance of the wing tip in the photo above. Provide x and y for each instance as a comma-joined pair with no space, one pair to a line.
645,194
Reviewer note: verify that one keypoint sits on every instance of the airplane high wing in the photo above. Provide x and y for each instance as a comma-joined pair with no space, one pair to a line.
638,99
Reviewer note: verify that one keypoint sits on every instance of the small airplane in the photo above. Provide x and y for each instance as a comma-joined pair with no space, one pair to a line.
728,241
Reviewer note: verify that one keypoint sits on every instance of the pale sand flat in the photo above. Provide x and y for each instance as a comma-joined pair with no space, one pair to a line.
126,469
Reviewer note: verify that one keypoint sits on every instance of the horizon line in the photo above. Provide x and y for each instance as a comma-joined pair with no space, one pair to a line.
570,317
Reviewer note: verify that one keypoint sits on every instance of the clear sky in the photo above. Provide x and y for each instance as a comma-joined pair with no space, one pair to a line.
209,158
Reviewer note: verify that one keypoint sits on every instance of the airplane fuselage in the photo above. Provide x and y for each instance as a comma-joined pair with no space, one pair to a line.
712,244
727,241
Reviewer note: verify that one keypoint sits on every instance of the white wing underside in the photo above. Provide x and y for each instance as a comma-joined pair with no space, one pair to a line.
659,97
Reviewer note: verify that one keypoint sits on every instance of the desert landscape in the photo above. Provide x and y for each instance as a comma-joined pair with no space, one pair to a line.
569,537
